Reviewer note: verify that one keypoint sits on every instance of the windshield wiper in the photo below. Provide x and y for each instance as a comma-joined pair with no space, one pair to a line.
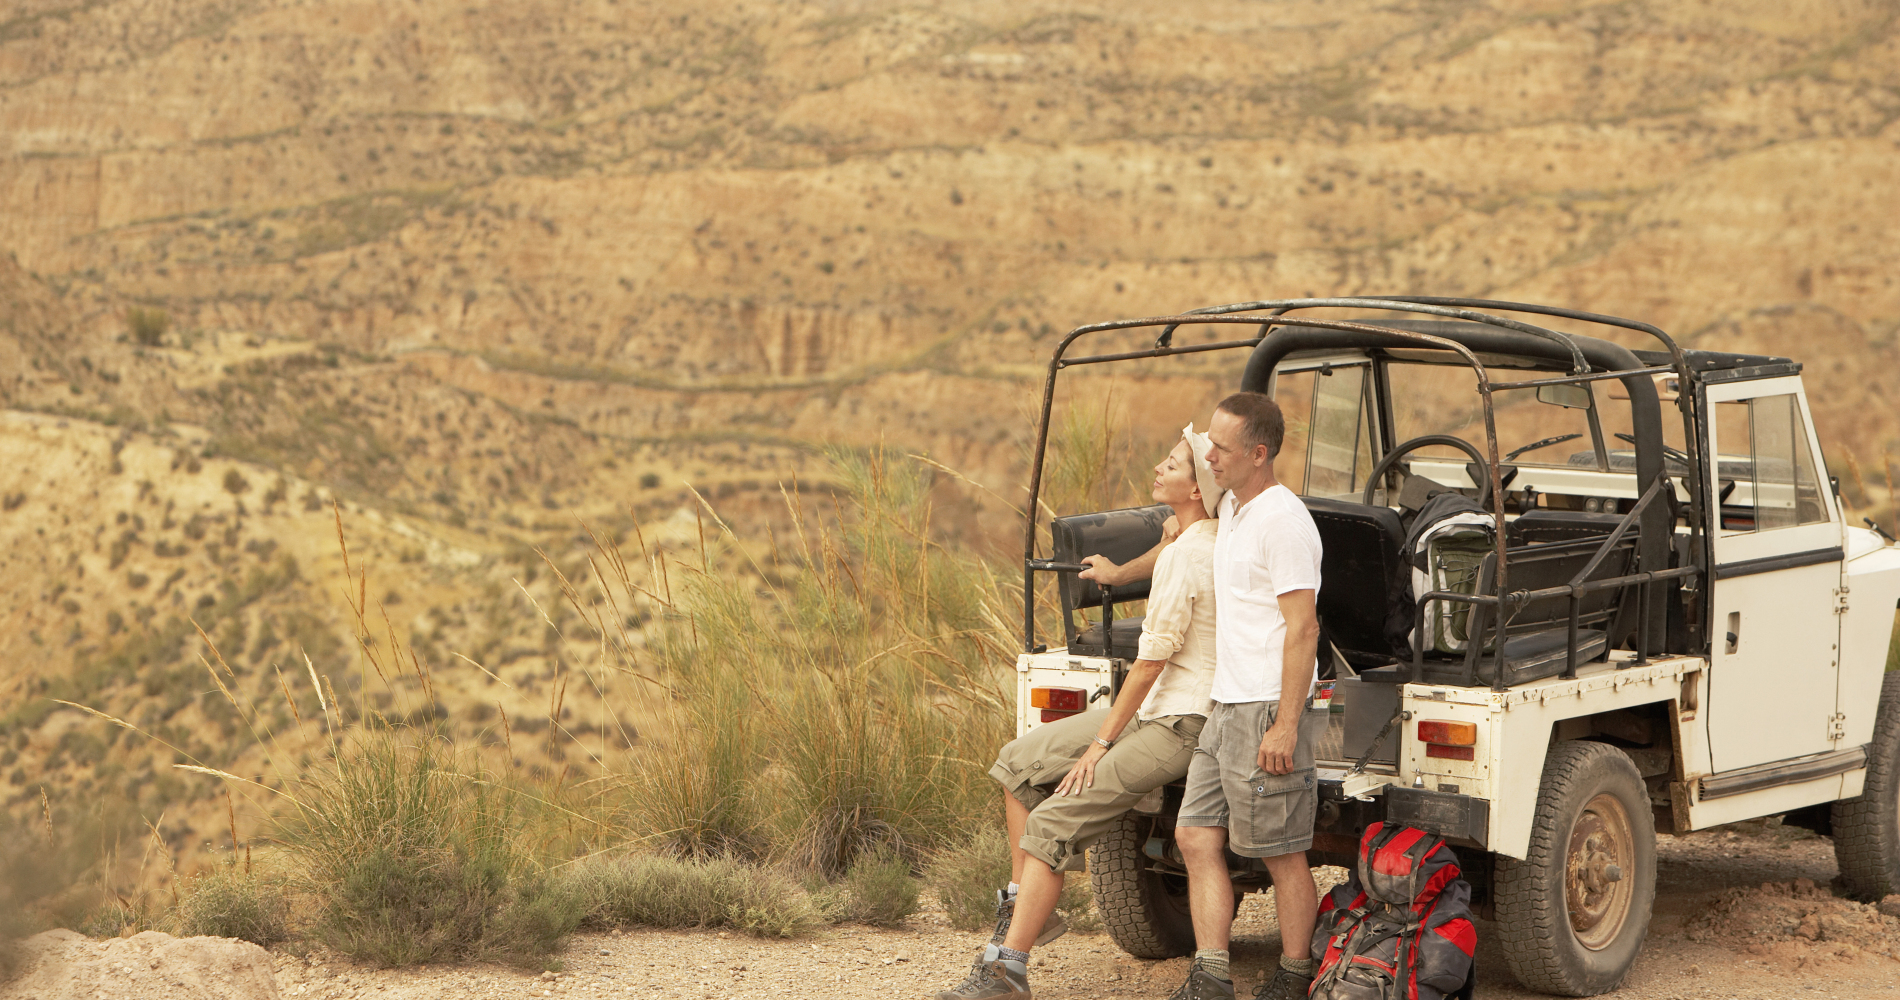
1675,453
1545,443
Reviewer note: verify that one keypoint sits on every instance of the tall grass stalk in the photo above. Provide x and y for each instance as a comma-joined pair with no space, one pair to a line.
838,694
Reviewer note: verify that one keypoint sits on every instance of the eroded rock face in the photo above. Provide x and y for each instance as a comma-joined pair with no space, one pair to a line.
63,964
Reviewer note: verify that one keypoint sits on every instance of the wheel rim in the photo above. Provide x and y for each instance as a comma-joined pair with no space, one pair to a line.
1599,870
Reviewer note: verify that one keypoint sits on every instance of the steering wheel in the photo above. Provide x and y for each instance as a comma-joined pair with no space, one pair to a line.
1405,447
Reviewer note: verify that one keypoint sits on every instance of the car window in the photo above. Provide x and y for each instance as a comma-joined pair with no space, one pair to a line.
1328,447
1765,470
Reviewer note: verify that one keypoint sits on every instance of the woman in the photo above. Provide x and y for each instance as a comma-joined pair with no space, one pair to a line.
1101,763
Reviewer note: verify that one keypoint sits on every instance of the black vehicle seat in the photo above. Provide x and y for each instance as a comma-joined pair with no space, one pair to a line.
1120,535
1542,526
1365,593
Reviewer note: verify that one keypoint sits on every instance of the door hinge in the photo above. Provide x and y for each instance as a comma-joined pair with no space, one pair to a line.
1837,726
1840,600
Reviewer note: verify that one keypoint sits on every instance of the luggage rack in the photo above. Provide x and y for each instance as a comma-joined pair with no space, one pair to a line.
1465,330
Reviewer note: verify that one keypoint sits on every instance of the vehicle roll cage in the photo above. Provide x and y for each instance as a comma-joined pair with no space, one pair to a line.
1469,332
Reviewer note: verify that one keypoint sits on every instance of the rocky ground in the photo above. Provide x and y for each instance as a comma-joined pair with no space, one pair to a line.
1742,912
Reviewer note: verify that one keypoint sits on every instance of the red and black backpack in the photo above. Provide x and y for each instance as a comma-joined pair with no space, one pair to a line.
1400,927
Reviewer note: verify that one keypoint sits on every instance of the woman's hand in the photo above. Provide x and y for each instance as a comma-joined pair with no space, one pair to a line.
1081,777
1171,528
1101,570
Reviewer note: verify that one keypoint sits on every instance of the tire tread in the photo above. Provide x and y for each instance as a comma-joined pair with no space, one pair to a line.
1529,909
1117,870
1867,828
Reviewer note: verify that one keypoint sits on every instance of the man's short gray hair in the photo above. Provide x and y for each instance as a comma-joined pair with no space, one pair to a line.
1261,421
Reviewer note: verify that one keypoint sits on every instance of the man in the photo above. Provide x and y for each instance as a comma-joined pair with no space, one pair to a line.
1251,783
1107,760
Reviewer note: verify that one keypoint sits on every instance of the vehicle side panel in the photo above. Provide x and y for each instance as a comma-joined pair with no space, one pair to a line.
1770,801
1873,588
1522,722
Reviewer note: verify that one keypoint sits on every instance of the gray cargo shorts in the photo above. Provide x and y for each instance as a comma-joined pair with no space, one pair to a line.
1266,815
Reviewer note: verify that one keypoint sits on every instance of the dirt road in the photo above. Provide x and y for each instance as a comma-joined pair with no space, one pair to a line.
1742,913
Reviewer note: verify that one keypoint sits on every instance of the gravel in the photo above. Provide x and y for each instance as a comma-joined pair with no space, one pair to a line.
1744,912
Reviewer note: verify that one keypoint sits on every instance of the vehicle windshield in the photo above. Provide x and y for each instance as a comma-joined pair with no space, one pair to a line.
1554,430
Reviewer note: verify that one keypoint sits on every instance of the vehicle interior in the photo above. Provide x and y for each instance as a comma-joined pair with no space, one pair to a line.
1434,443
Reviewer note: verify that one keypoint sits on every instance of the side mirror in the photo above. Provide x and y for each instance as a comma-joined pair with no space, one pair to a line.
1575,397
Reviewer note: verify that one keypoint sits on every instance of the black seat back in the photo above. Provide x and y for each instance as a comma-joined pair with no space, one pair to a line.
1553,564
1536,527
1120,535
1365,604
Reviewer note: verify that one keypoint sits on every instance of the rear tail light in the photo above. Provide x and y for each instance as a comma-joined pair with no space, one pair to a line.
1454,734
1449,740
1058,702
1058,699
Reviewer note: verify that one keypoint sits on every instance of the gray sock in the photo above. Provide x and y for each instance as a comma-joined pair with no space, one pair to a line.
1012,955
1301,966
1213,961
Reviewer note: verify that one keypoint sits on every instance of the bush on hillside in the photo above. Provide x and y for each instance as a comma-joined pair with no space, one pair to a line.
966,875
415,860
864,672
235,904
656,891
879,889
148,326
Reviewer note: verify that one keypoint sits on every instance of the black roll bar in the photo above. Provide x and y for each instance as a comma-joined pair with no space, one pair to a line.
1056,364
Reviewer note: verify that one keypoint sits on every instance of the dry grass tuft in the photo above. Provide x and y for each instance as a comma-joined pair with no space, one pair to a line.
654,891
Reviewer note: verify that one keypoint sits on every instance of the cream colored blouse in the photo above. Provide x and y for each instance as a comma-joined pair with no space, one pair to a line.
1179,626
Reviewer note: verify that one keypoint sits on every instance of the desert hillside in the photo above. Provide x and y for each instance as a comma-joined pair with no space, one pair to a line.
480,272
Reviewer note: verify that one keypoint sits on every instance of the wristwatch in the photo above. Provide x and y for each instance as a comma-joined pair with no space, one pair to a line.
1105,744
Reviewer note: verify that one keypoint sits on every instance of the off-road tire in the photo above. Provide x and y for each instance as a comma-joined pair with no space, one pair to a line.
1145,912
1534,916
1867,828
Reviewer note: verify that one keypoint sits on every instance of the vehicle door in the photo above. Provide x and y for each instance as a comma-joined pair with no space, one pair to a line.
1773,680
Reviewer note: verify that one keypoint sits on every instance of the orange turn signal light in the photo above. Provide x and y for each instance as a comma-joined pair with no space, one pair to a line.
1058,699
1450,734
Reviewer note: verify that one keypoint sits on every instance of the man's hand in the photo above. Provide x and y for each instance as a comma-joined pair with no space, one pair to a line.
1101,570
1082,775
1276,748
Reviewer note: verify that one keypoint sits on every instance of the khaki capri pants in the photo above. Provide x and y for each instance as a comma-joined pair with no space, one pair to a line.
1060,828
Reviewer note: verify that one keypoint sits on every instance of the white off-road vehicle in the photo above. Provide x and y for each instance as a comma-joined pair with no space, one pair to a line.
1545,654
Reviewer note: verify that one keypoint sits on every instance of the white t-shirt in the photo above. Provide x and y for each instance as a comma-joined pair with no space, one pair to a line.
1267,547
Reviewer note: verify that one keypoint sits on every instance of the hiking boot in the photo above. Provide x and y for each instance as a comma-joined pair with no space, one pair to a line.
1204,985
991,978
1285,985
1052,928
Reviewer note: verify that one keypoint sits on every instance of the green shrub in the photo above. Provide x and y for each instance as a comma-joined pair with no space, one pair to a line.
966,875
148,326
235,904
656,891
415,860
879,889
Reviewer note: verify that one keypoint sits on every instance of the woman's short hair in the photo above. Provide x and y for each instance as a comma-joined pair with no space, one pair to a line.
1260,420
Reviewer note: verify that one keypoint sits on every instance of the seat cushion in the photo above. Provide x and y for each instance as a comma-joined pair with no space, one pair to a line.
1540,654
1124,639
